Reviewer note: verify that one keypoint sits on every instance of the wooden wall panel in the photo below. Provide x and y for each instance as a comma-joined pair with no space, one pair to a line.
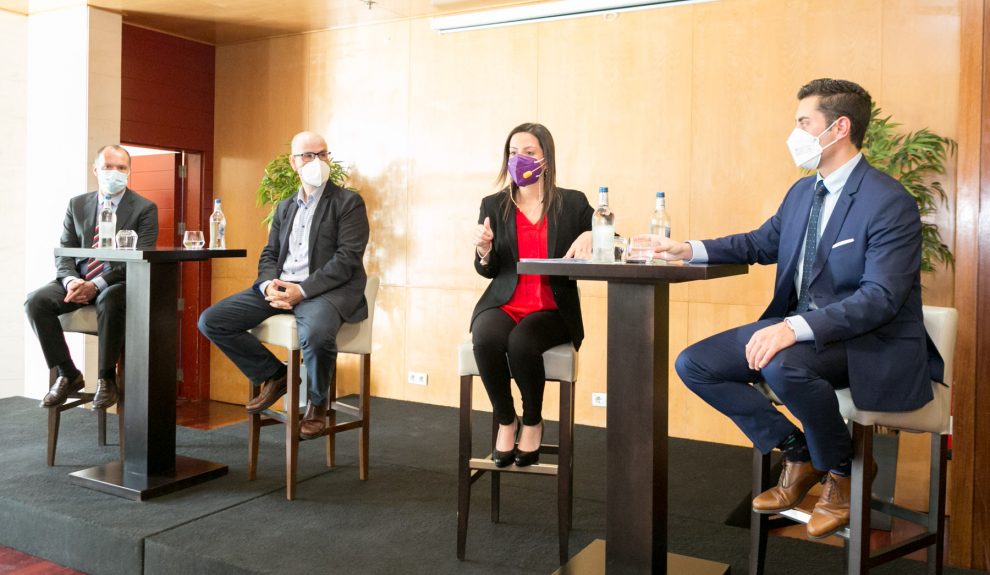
694,100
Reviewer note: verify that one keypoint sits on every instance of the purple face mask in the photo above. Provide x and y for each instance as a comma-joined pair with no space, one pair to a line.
525,170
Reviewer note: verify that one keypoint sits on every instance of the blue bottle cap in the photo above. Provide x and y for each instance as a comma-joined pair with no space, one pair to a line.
603,190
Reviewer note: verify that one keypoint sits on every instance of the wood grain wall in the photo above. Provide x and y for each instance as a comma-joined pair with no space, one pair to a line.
692,100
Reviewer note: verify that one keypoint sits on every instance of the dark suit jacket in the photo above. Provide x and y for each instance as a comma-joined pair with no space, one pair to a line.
866,282
337,241
133,213
563,227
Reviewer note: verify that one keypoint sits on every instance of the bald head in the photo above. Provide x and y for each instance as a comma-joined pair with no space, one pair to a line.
308,142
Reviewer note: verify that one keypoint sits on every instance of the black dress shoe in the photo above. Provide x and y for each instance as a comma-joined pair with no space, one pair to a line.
62,389
524,458
106,394
505,458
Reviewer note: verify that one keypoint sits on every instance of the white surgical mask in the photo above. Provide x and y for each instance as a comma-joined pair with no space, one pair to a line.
315,173
807,149
111,182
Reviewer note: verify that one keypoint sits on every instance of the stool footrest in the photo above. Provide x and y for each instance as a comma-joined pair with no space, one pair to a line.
802,516
489,465
344,408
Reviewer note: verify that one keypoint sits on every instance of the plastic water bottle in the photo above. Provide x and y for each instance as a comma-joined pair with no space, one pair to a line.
108,224
603,230
660,220
218,228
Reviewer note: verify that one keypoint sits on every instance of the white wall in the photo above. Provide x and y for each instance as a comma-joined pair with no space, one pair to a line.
13,127
73,108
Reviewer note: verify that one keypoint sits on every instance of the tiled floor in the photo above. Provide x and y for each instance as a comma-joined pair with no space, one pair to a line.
16,563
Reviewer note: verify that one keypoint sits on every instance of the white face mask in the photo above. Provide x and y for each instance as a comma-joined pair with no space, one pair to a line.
111,181
807,149
315,173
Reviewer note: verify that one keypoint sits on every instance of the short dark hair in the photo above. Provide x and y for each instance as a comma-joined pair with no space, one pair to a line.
841,98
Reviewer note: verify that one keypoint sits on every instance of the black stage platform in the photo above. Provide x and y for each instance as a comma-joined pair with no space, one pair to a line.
402,520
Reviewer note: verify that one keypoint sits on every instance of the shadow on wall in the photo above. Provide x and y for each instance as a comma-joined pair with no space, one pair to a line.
386,253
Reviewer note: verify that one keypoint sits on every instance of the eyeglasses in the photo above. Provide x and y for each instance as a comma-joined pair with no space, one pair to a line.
310,156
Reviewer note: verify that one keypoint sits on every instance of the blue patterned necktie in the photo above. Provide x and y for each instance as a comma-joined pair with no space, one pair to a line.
811,247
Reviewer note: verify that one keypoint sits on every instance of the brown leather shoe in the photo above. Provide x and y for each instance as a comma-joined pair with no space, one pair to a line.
832,510
796,479
62,389
314,421
106,394
831,513
271,391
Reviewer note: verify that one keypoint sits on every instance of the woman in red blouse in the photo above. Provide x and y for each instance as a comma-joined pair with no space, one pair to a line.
521,316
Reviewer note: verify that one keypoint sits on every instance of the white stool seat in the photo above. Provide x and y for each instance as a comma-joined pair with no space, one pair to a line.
559,362
82,320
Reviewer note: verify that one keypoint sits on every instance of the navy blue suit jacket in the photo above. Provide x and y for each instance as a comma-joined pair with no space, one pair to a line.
866,283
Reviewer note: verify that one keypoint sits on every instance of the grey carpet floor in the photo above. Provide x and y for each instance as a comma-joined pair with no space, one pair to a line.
402,520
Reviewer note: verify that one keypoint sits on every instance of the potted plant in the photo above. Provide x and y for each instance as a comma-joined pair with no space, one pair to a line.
281,181
914,159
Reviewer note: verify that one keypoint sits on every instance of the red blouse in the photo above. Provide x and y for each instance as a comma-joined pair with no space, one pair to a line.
533,292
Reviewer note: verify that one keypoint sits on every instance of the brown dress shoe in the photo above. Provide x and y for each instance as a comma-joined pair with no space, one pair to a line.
796,479
271,391
106,394
62,389
314,421
832,510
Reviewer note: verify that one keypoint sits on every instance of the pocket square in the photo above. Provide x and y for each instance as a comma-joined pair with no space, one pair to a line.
843,242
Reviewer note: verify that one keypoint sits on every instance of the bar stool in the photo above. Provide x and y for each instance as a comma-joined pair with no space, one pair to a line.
560,364
932,418
354,338
83,320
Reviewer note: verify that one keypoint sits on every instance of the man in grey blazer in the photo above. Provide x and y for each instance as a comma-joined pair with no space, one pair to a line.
312,267
845,313
84,281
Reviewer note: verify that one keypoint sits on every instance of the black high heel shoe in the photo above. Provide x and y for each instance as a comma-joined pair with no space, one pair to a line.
505,458
524,458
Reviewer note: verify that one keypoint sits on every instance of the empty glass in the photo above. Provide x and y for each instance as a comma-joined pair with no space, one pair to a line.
640,250
193,240
127,240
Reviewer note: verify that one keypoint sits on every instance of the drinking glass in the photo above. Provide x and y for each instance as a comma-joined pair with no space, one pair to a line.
621,249
127,240
640,250
193,240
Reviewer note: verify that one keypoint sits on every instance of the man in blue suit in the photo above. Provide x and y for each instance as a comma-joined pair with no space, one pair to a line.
846,308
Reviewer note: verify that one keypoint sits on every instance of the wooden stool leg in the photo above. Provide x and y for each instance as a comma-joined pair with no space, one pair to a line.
364,400
565,468
101,425
936,502
463,469
496,478
332,421
120,420
858,546
759,522
54,416
254,435
292,426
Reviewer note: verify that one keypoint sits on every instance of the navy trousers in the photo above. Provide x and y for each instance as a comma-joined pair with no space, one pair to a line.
227,322
804,379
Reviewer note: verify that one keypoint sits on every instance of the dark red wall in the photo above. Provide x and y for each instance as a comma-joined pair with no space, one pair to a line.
167,92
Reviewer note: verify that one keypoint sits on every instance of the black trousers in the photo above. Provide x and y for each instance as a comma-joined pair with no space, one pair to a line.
44,305
504,349
227,322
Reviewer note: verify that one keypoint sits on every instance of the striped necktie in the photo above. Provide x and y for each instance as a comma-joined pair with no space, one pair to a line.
811,247
92,268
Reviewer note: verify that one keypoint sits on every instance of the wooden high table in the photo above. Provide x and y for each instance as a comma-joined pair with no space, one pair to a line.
150,467
636,466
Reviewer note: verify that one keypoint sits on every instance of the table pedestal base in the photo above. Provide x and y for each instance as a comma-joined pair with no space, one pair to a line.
110,478
591,560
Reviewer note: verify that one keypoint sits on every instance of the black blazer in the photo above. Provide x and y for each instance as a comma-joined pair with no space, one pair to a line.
337,242
134,212
569,219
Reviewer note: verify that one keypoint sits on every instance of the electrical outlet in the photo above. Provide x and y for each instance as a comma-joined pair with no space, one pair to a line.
417,378
599,399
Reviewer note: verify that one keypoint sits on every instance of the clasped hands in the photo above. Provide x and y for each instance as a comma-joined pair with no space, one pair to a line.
484,237
282,294
80,291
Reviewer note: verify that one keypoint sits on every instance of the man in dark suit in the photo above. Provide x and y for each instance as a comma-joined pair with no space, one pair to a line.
311,267
846,309
84,281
